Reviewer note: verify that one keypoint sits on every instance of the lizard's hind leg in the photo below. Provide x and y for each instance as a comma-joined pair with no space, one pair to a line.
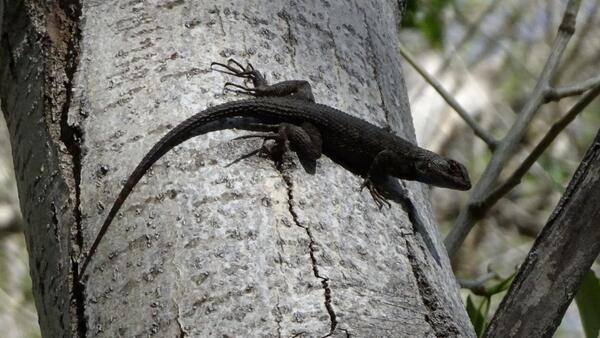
305,140
275,150
298,89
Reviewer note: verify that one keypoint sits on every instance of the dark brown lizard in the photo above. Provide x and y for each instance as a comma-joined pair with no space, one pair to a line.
287,113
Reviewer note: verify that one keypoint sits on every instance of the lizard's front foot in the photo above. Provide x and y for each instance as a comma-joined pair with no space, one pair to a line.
378,197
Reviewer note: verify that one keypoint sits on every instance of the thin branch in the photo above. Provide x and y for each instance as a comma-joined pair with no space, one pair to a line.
579,40
488,139
555,94
554,131
475,210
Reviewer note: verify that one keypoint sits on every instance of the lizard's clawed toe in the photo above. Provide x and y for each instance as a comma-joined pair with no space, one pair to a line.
232,67
248,73
378,197
241,89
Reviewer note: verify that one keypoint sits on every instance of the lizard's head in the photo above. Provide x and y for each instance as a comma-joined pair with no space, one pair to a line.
442,172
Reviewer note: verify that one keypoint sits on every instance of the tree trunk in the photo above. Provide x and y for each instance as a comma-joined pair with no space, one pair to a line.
202,249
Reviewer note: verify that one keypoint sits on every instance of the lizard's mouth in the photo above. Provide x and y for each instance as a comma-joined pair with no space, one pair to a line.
463,185
444,174
461,182
459,176
452,183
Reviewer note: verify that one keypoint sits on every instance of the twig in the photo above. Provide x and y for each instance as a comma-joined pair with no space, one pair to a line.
488,139
555,94
579,40
507,147
556,128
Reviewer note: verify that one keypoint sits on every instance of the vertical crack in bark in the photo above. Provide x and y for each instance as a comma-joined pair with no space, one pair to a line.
440,322
324,280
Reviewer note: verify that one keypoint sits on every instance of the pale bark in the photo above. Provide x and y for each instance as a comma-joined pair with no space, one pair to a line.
202,249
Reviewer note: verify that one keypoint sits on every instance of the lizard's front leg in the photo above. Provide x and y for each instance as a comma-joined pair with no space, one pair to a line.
299,89
379,169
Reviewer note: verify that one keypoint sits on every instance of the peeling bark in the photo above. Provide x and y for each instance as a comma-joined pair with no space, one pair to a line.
200,249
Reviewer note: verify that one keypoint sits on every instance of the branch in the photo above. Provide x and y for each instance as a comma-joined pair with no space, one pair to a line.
558,261
508,146
555,94
556,128
579,40
488,139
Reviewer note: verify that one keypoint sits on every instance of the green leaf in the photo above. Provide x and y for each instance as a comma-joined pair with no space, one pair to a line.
477,318
501,286
588,303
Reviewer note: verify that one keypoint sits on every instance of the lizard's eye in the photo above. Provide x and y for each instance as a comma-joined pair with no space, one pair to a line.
455,166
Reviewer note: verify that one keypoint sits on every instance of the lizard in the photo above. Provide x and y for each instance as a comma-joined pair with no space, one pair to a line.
287,113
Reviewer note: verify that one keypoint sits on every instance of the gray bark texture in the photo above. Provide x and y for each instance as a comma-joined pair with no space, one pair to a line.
561,256
200,249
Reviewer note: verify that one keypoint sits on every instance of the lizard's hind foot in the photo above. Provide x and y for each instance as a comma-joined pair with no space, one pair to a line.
241,89
245,156
232,67
274,150
298,89
248,73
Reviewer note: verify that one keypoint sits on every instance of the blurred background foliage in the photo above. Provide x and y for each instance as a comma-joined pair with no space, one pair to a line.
18,317
488,54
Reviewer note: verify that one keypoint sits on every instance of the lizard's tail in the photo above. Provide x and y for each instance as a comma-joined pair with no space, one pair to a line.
233,115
